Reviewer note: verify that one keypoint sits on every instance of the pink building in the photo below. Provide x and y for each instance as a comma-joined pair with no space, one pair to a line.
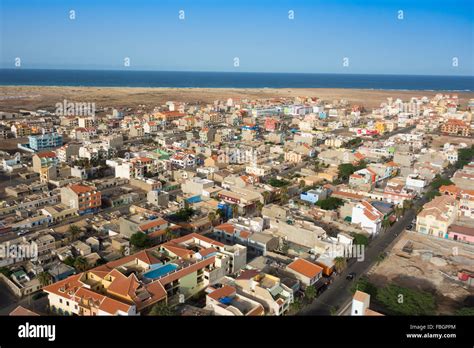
461,233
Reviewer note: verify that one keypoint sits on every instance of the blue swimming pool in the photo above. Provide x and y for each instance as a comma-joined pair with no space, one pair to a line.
160,271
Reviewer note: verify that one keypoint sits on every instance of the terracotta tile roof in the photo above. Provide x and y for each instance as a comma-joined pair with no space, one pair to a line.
47,154
178,250
248,274
22,311
361,296
153,223
185,271
78,188
371,212
227,227
306,268
207,251
225,291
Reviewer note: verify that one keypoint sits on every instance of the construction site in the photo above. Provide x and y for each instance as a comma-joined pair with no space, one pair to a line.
441,267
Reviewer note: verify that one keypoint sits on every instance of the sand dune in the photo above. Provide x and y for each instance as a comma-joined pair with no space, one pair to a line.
33,97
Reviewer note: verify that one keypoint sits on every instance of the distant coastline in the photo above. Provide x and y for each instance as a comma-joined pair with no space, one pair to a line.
238,80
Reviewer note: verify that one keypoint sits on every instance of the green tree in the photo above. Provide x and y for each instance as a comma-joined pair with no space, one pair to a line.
466,311
80,264
211,217
69,261
398,300
340,263
139,240
360,239
235,211
169,234
364,285
45,278
74,231
266,196
407,204
331,203
386,224
310,293
161,309
259,206
296,306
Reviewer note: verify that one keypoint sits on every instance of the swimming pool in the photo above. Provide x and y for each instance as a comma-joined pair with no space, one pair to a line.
160,271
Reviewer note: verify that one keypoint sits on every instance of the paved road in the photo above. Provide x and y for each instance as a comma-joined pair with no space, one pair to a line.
338,294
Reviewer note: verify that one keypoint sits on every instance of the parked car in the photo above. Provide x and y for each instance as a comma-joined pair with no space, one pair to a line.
351,276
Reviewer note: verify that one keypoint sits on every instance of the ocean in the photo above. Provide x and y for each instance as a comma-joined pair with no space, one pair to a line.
134,78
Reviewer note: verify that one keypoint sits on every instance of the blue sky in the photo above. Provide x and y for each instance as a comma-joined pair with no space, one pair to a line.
258,32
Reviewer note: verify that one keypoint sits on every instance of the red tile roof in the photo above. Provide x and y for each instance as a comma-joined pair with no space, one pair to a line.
306,268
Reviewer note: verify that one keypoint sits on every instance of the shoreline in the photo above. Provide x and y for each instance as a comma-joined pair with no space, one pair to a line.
248,88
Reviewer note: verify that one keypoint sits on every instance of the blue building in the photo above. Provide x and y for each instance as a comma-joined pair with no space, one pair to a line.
312,196
45,141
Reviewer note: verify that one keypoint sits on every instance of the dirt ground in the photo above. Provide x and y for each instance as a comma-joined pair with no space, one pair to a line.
13,98
439,141
431,267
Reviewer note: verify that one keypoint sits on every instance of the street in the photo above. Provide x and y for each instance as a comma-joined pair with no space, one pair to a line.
338,293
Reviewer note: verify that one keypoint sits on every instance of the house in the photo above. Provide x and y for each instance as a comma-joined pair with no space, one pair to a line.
314,195
85,199
170,272
465,197
266,289
437,216
369,218
305,271
461,233
226,301
361,303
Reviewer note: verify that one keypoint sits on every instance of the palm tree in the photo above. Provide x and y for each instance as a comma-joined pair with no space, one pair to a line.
398,211
302,184
235,211
74,230
386,224
407,204
80,264
45,278
310,293
340,263
259,206
266,196
212,217
221,214
169,233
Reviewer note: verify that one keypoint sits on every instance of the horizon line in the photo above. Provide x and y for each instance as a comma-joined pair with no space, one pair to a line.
236,72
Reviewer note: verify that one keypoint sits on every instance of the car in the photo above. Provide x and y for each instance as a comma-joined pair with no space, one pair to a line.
22,232
351,276
409,227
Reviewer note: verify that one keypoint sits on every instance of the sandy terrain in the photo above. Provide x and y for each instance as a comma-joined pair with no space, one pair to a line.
437,275
33,97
